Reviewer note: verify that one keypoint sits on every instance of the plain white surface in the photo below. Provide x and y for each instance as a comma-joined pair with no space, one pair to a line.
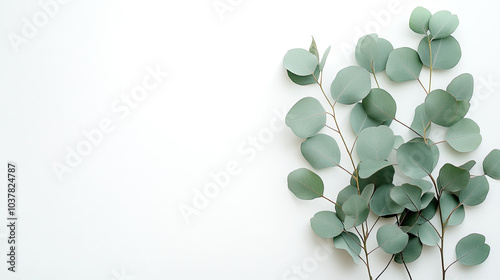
116,215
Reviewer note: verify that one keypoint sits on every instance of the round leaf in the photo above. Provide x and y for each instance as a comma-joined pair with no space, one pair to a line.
357,209
415,159
349,242
305,184
351,85
369,167
434,149
419,20
446,52
491,164
372,53
475,192
407,196
411,252
443,109
360,120
375,143
428,234
321,151
303,80
468,165
462,87
421,123
306,118
424,185
342,197
472,249
464,136
392,239
442,24
379,105
300,62
403,65
452,178
326,224
447,204
382,204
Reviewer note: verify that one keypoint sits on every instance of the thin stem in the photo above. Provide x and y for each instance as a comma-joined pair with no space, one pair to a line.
331,201
420,82
406,267
387,266
454,262
331,128
343,168
378,218
373,249
439,142
366,252
435,186
430,63
374,76
403,124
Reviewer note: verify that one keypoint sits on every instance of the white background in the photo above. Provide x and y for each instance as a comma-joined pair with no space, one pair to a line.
116,215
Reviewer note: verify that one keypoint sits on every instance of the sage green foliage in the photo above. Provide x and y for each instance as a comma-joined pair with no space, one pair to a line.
412,213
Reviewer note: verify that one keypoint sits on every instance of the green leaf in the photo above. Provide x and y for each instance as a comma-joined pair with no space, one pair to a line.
424,185
314,48
382,204
443,109
428,212
300,62
381,177
326,224
403,65
349,242
379,105
447,204
419,20
305,184
421,122
464,136
426,199
375,143
342,197
407,196
323,60
350,85
357,209
472,249
452,178
391,239
360,120
428,235
372,52
491,164
468,165
475,192
462,87
367,192
411,252
321,151
442,24
434,149
303,80
306,118
415,159
446,52
398,141
369,167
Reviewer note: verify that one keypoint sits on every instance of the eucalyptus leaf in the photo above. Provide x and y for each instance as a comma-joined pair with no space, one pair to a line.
306,118
382,204
372,53
446,52
323,59
305,184
342,197
350,85
300,62
428,234
452,178
381,177
375,143
407,196
360,120
392,239
304,80
464,136
426,199
349,242
367,192
403,65
419,20
411,252
314,48
434,149
424,185
415,159
442,24
443,109
468,165
475,192
472,249
369,167
451,213
321,151
428,212
491,164
379,105
398,141
462,87
356,208
326,224
421,123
